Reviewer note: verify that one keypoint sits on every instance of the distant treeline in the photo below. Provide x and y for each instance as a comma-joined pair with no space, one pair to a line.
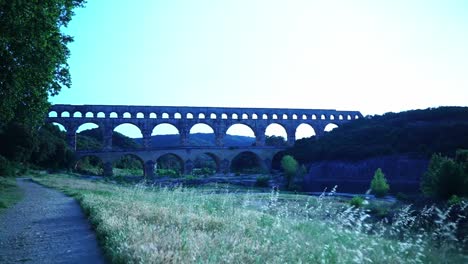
417,132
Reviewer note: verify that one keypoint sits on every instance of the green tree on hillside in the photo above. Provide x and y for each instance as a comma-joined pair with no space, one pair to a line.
33,56
379,186
290,168
446,177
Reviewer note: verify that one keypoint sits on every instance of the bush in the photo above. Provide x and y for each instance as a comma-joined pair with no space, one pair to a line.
379,186
262,181
454,200
167,172
290,168
6,167
446,177
357,201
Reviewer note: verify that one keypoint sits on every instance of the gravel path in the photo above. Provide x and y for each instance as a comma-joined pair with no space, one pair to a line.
46,227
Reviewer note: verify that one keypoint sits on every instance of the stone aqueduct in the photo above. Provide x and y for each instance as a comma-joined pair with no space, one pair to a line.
220,119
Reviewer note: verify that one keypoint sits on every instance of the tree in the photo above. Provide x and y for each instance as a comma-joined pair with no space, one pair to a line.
290,168
379,186
446,177
33,56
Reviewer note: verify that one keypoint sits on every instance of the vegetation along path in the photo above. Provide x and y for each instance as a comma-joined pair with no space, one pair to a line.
46,227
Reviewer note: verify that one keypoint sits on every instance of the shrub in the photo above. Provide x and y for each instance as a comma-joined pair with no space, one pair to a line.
454,200
290,168
445,177
379,186
262,181
6,167
167,172
356,201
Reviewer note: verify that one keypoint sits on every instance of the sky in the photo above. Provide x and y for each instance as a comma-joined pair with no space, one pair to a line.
372,56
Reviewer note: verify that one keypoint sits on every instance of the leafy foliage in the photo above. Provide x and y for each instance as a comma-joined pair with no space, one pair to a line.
420,132
33,56
356,201
290,168
446,177
379,186
275,141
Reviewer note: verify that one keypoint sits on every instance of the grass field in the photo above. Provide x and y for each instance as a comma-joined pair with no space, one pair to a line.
141,224
9,192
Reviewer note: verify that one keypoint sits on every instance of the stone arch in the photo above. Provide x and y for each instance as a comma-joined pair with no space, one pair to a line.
205,135
169,161
60,126
265,116
340,117
245,116
128,164
212,116
189,116
127,115
274,116
276,161
247,162
254,116
165,115
348,117
224,116
94,136
65,114
244,132
276,129
332,117
356,117
130,130
305,130
167,135
77,114
89,115
329,127
52,114
322,117
101,115
234,116
89,165
177,115
206,164
113,115
304,117
314,117
153,115
201,116
140,115
294,117
285,117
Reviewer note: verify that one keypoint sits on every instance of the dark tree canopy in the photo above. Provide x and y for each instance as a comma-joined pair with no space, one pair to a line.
33,56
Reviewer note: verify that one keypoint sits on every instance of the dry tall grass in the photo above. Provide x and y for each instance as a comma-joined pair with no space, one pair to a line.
141,224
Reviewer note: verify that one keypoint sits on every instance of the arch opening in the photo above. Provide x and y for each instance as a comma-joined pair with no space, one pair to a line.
276,161
169,165
152,115
113,115
247,162
101,115
60,126
201,135
89,137
275,135
239,135
177,116
140,115
128,165
127,115
330,127
165,135
89,165
206,164
127,136
52,114
78,114
89,115
65,114
304,131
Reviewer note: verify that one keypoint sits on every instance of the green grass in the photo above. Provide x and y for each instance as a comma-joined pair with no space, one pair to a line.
9,192
141,224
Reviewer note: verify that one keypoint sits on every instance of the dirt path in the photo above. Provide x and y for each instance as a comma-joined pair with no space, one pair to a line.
46,227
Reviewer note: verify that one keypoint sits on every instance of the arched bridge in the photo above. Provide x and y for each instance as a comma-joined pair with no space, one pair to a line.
220,119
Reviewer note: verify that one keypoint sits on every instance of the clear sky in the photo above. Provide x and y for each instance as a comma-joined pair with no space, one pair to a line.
372,56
